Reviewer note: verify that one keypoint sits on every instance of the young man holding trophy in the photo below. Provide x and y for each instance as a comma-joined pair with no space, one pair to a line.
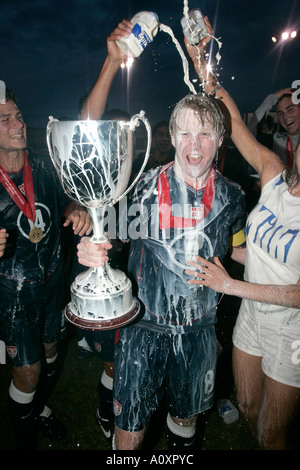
184,209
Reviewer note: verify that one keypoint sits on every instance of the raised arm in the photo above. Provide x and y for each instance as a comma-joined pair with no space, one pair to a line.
264,107
96,101
265,162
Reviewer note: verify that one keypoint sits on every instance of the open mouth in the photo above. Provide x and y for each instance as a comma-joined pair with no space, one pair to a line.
289,123
194,159
17,136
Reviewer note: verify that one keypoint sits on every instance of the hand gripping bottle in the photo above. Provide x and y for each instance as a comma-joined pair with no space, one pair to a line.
194,27
145,28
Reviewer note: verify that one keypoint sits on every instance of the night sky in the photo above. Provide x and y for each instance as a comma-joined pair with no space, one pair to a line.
52,51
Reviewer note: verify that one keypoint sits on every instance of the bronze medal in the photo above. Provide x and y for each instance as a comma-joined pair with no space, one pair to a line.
27,207
35,235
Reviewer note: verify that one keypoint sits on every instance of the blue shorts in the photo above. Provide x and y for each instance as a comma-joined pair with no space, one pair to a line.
102,342
150,365
25,327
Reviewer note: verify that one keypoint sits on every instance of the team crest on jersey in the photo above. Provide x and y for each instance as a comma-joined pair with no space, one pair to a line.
98,346
117,408
197,212
22,189
11,351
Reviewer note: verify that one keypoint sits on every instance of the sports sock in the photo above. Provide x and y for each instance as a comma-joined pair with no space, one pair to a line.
21,408
82,343
180,437
46,383
105,387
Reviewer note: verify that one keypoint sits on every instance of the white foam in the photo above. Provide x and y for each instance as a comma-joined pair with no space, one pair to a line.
168,30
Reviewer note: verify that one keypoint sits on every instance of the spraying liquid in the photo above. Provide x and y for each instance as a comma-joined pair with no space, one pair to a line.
144,30
194,28
146,25
168,30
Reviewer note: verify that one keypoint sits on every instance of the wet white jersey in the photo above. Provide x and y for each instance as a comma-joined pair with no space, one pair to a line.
273,248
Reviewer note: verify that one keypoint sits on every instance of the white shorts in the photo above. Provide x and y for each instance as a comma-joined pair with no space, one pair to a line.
278,345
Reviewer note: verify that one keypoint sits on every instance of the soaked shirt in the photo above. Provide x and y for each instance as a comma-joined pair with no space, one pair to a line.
27,268
166,228
273,249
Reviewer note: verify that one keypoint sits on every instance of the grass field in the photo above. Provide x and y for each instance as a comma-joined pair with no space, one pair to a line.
74,401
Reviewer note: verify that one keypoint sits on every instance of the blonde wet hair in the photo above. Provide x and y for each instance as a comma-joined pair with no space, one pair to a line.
206,109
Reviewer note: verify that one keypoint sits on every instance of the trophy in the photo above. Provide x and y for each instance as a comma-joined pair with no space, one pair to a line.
94,160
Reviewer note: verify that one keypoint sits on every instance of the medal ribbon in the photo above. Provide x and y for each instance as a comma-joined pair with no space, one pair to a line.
166,219
289,152
27,207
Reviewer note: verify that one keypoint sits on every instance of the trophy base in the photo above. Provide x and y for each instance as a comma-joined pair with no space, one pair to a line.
102,323
101,299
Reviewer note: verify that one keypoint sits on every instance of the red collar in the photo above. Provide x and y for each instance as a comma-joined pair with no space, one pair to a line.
166,219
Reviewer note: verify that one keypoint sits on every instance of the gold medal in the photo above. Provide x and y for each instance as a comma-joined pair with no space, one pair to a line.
35,235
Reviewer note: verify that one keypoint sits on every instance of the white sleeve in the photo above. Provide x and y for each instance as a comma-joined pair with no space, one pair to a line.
265,106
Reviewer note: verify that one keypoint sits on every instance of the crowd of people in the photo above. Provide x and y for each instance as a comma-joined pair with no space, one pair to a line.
177,270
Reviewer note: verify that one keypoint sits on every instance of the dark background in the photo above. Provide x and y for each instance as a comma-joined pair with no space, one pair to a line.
51,53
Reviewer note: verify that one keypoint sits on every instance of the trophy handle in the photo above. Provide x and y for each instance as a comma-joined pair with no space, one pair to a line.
132,124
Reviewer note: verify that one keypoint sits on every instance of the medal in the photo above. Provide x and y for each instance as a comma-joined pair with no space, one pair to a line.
27,207
35,235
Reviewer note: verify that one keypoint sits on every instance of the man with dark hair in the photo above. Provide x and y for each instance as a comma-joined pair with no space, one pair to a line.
32,203
288,113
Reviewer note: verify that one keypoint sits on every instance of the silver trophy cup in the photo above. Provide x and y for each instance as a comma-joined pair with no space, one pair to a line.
94,160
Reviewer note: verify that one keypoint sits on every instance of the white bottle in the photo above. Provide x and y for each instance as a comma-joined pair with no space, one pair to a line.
227,411
145,28
194,27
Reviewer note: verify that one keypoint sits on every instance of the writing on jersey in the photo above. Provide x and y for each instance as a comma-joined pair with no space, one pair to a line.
273,248
270,235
